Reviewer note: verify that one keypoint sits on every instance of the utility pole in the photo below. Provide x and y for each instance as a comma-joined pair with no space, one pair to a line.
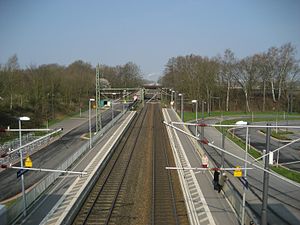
98,99
264,217
142,96
223,146
181,106
202,121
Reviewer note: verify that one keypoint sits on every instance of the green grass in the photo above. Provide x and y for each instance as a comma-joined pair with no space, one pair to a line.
267,116
280,135
252,151
292,175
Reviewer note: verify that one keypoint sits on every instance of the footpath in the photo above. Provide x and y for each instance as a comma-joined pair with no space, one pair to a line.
70,123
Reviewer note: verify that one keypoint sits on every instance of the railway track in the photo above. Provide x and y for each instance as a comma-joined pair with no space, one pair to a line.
164,209
134,187
101,204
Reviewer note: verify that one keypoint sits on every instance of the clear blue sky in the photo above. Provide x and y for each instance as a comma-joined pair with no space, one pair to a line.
146,32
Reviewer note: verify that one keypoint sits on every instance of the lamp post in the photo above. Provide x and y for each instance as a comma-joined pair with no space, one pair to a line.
172,99
23,118
195,101
181,95
90,122
245,173
124,94
112,108
264,217
202,120
175,101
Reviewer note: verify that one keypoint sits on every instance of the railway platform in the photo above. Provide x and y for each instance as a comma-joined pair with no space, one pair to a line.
204,204
55,205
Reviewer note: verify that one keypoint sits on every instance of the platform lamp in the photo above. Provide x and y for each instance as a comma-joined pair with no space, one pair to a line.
90,122
23,118
196,102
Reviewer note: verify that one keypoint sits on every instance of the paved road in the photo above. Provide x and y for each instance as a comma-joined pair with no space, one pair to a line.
284,198
51,156
288,154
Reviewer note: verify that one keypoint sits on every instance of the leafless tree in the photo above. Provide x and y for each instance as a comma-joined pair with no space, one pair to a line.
227,66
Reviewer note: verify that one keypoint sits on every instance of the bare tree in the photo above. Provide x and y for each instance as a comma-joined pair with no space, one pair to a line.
279,63
227,64
11,67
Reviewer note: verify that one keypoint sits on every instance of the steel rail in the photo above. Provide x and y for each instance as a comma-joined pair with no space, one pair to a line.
169,176
110,172
160,161
125,171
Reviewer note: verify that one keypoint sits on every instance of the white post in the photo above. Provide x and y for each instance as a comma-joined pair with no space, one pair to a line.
182,115
245,176
21,161
181,106
112,108
124,94
172,99
277,161
90,122
195,101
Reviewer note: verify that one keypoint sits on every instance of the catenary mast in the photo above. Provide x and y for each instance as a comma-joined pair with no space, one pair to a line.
98,105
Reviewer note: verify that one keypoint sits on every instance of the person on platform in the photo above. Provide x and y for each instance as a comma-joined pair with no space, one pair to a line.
216,180
222,181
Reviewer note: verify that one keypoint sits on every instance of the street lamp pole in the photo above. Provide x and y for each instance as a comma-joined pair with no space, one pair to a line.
112,108
90,122
181,111
264,217
124,94
195,101
175,101
172,99
202,120
23,118
245,176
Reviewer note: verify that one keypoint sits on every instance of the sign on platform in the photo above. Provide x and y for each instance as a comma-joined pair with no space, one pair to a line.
204,161
28,162
237,172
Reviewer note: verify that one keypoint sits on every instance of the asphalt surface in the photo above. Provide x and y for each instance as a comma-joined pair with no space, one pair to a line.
51,156
287,154
283,197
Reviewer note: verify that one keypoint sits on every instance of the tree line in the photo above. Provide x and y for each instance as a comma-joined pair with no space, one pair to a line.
49,91
263,81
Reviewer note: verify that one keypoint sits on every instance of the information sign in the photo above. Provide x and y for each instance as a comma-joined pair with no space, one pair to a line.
237,172
28,162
